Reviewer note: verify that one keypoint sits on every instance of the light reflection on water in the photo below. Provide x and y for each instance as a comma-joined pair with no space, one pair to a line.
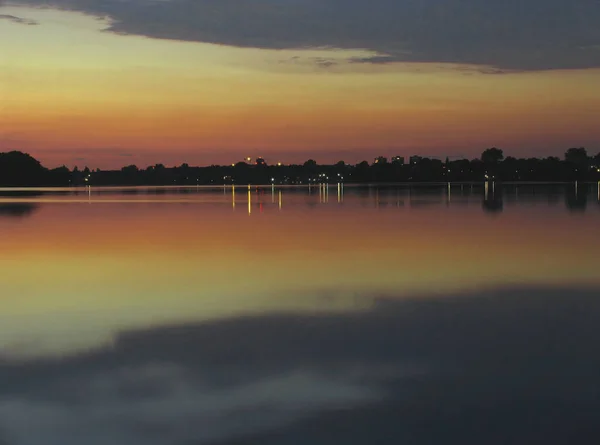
204,315
575,196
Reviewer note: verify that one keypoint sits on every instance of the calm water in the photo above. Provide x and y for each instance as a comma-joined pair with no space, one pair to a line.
421,315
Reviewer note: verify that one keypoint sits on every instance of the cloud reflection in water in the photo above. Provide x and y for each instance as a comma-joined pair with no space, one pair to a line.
498,366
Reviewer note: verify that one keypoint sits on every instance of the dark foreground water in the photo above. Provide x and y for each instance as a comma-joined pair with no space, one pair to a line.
423,315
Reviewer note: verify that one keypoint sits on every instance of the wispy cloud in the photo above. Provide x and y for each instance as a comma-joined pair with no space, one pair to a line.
19,20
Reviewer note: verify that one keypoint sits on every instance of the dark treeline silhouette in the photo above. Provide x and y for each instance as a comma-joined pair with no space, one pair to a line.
20,169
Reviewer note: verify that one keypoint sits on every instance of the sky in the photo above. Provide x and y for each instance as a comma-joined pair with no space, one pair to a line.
110,83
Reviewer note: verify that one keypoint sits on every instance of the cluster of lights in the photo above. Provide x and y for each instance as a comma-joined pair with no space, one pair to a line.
249,159
323,176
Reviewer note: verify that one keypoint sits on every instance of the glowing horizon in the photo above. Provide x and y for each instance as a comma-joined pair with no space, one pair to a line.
78,95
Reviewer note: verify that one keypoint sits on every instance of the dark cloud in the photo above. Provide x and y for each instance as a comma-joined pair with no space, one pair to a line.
509,34
516,366
18,20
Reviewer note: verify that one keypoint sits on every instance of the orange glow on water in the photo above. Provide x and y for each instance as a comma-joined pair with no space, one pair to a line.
111,262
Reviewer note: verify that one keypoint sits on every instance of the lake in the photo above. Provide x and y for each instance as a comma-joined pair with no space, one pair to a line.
417,314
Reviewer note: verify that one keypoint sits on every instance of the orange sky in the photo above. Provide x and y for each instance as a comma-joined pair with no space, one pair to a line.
73,94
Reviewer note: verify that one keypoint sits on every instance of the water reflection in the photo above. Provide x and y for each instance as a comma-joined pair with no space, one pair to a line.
162,316
249,201
17,210
323,193
576,197
492,198
516,365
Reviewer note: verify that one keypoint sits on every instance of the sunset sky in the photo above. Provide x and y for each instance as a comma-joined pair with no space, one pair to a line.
109,83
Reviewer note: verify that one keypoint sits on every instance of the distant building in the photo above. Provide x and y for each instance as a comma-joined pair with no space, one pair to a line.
415,159
398,160
380,160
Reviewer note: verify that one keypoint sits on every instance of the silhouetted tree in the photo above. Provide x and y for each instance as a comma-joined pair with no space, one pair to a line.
130,175
491,159
578,160
130,169
577,156
21,169
60,176
492,155
18,169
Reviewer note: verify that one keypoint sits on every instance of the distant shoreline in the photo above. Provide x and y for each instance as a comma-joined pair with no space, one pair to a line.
331,184
21,170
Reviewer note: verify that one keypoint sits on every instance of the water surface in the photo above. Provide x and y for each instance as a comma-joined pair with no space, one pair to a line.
299,315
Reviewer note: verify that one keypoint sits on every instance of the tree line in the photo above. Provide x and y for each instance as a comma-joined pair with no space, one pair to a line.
21,169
